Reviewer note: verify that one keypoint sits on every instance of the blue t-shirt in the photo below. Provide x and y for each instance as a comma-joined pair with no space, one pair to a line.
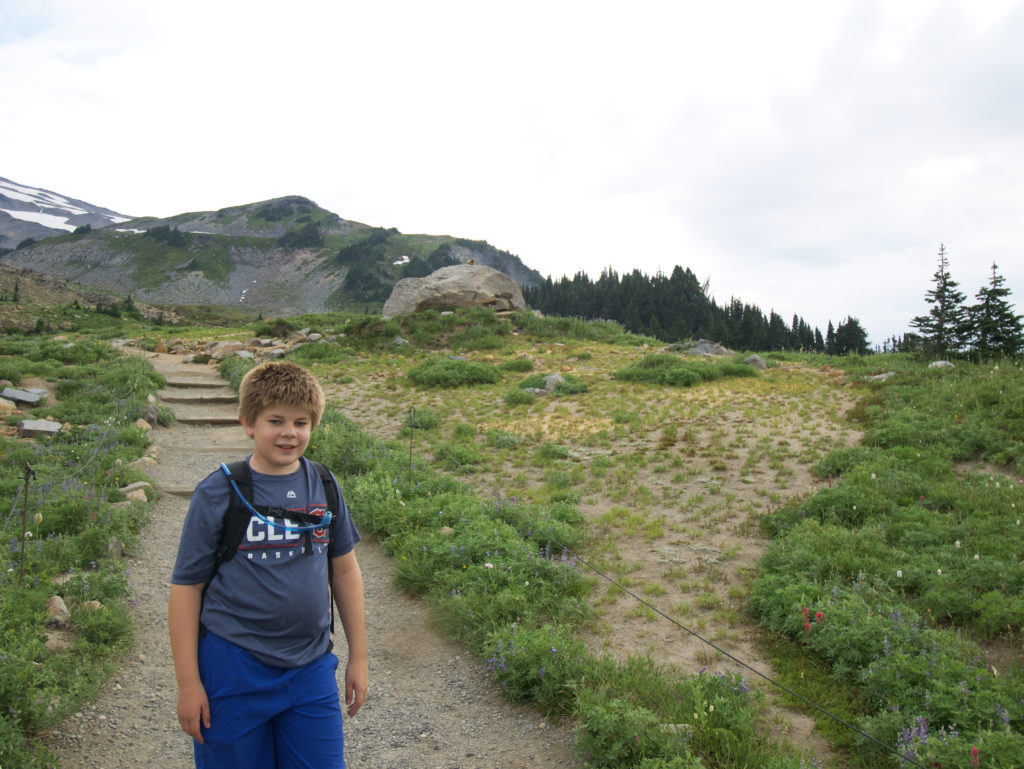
271,598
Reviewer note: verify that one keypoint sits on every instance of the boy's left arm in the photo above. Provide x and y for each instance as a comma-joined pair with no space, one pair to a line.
347,581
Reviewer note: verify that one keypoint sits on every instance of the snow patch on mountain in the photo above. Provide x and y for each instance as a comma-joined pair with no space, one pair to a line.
37,213
54,221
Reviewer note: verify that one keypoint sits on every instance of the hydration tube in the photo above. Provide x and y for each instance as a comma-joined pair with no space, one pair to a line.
325,521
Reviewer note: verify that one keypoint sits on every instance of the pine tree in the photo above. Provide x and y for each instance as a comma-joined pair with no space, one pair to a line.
944,327
850,337
995,329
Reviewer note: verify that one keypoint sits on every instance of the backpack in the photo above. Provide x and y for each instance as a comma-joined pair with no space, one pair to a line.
238,515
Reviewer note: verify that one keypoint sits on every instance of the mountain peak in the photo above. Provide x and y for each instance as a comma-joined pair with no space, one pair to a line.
31,212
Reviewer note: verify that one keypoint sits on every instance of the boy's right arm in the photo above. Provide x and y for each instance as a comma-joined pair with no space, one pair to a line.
183,623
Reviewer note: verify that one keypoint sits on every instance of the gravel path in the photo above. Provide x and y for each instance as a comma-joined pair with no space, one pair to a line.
430,705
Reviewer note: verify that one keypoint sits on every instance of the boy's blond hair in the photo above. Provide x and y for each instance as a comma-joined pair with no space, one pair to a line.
280,383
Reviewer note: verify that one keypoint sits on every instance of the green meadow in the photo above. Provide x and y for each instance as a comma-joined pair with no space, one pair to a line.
616,528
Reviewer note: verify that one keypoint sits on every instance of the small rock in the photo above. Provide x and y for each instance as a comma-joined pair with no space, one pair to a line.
32,427
57,612
551,381
756,361
221,350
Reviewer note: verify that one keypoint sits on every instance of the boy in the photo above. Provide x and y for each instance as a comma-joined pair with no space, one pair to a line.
251,638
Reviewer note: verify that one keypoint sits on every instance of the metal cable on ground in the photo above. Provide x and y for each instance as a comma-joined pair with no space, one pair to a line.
755,671
740,662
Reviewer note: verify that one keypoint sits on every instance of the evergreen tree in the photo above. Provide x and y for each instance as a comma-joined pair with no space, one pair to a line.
944,327
995,329
850,337
778,334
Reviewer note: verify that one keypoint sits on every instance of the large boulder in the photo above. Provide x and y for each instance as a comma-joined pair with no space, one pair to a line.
711,349
461,285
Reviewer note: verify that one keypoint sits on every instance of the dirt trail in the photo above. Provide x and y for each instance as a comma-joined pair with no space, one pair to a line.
430,705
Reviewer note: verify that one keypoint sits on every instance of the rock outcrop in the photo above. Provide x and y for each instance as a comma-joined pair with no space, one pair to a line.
461,285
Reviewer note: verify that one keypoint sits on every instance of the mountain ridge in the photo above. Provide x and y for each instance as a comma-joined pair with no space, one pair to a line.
281,256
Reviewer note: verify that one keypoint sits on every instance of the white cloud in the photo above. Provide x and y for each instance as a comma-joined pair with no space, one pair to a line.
806,157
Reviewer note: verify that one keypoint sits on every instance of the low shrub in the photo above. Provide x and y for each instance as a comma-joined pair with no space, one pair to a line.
668,370
518,365
320,352
567,384
447,373
519,397
457,456
499,439
420,419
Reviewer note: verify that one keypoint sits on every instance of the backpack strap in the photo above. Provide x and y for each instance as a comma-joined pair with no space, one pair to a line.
333,504
333,499
236,517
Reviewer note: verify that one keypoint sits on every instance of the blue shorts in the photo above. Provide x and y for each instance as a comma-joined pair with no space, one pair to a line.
262,717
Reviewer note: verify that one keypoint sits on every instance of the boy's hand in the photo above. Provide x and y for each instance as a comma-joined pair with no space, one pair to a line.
193,711
357,682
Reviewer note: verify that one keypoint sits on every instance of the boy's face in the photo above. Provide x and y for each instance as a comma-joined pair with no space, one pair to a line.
280,435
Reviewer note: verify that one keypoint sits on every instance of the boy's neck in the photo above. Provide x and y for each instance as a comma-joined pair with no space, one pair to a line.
259,465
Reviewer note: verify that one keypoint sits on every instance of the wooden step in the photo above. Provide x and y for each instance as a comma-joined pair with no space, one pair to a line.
198,400
203,382
207,419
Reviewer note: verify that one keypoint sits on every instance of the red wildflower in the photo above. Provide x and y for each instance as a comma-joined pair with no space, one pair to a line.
807,627
975,759
819,617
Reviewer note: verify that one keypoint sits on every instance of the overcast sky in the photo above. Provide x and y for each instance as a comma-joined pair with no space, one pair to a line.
806,157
